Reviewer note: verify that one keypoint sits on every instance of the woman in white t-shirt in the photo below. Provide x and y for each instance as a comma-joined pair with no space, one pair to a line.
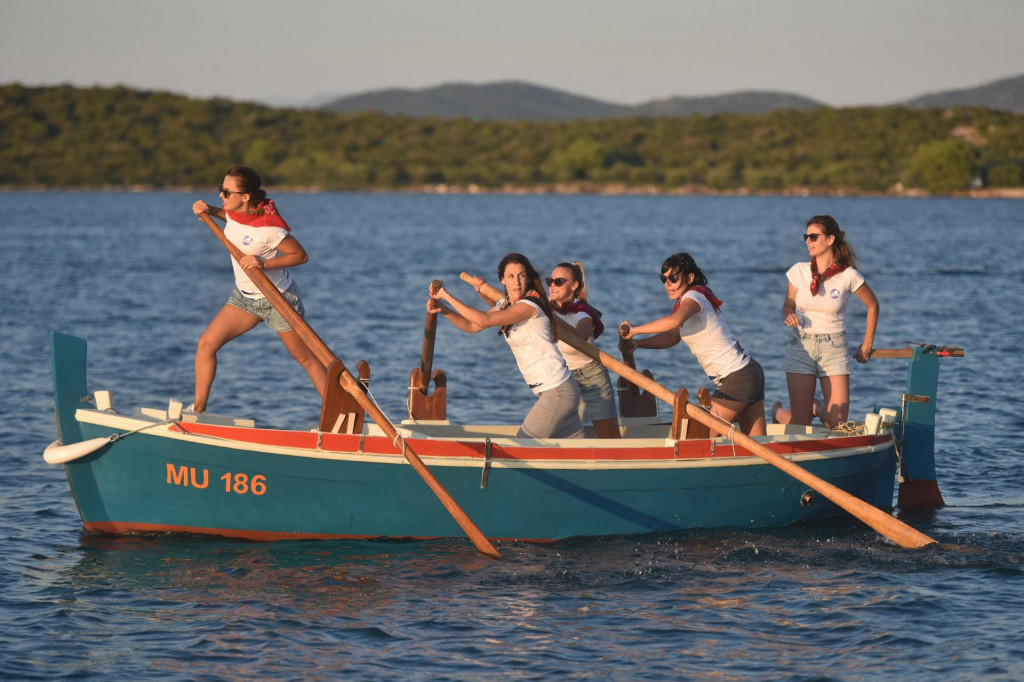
253,224
815,307
567,291
697,319
523,317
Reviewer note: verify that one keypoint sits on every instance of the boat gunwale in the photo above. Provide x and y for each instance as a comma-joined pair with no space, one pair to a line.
721,451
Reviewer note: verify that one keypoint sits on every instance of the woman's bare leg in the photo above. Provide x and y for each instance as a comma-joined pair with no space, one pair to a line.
607,428
229,323
801,401
836,392
305,357
749,415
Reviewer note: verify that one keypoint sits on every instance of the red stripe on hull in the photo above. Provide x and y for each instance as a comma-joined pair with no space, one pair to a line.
377,445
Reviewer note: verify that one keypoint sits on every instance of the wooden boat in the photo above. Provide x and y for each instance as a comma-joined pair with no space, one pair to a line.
155,470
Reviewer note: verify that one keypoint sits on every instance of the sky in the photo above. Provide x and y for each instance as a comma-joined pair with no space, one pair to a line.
842,53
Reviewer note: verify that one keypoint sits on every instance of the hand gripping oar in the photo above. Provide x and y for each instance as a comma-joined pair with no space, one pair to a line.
350,384
892,528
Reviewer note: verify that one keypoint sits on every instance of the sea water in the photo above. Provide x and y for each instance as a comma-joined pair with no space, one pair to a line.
139,277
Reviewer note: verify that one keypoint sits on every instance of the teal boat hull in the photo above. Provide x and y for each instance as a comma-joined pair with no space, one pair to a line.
237,481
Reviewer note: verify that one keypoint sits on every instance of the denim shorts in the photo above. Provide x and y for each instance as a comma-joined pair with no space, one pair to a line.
598,398
261,307
820,355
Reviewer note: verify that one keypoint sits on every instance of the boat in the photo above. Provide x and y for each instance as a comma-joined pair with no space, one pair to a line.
157,470
160,470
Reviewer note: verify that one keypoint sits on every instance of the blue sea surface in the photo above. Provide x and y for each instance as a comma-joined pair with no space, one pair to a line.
139,277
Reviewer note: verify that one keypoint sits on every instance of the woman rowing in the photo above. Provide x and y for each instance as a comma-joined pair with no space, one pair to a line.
697,319
567,291
253,224
523,317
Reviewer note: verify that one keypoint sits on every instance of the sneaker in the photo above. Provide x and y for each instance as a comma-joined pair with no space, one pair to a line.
191,409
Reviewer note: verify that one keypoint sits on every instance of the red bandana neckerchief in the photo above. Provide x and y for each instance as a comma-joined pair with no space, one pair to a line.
578,306
265,215
703,291
817,280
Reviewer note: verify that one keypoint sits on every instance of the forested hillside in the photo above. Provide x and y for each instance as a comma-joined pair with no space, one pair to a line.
100,137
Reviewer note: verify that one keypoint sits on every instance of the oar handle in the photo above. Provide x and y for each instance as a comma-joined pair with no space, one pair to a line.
892,528
350,384
429,333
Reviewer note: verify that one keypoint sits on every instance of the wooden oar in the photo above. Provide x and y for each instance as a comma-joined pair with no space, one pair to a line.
887,525
350,384
427,354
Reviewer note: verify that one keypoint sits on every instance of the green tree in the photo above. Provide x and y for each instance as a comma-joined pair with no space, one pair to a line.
941,167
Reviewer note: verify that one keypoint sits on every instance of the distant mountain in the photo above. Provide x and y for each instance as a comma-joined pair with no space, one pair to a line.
514,100
750,102
1003,95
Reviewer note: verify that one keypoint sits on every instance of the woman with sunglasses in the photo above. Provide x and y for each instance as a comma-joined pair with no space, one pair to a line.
253,224
815,307
567,291
523,317
697,320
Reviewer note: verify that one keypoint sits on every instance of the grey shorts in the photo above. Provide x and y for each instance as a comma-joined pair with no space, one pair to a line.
261,307
820,355
555,414
745,385
597,397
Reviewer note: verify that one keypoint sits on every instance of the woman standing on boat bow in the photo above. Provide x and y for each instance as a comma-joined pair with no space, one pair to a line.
567,291
815,307
253,224
697,320
523,317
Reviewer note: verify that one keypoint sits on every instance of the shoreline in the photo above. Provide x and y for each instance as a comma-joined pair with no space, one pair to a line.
573,188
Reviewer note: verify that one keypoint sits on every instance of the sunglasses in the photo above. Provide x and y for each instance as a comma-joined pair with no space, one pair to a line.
557,281
225,192
674,278
812,237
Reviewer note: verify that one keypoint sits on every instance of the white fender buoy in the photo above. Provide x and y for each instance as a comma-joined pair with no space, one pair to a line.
55,453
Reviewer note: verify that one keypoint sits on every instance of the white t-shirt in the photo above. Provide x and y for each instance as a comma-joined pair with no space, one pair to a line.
260,242
540,363
574,359
711,341
824,313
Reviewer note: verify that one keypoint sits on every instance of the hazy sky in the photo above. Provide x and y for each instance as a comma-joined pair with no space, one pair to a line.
626,51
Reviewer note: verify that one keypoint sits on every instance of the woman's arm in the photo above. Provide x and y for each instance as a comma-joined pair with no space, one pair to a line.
478,320
289,254
665,329
585,326
789,316
670,323
867,296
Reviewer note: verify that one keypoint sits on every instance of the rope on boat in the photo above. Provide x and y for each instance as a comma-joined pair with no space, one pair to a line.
399,440
850,428
114,437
